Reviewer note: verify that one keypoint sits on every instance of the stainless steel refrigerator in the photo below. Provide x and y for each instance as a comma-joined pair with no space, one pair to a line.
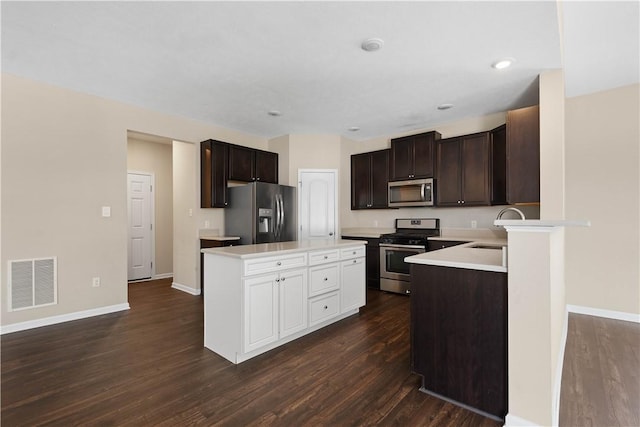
261,213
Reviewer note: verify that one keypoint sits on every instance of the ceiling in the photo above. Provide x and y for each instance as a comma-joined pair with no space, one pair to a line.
230,63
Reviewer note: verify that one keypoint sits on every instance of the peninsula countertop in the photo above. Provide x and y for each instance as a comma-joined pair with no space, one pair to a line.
279,248
484,254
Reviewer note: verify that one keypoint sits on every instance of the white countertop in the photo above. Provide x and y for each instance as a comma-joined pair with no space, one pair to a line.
465,256
270,249
369,233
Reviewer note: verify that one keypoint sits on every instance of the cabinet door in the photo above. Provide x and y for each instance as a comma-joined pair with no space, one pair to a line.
260,311
352,284
499,165
401,158
360,181
266,164
205,174
448,175
475,170
423,155
523,155
379,179
293,301
213,174
241,163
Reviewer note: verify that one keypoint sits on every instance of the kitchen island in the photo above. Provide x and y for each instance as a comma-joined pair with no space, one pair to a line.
258,297
459,325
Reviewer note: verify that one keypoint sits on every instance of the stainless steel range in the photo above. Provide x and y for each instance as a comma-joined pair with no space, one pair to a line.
409,239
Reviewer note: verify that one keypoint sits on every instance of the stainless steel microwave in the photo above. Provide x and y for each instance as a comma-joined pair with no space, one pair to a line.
415,192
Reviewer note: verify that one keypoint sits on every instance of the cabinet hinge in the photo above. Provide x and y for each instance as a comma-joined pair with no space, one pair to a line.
151,189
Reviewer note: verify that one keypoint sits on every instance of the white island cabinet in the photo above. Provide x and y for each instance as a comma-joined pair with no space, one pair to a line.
258,297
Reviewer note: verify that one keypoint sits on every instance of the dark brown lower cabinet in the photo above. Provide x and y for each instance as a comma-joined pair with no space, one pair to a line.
459,335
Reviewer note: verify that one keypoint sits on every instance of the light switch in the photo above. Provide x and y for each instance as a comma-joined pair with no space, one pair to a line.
106,211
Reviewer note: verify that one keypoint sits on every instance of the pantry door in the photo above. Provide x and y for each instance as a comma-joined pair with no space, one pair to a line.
317,204
140,235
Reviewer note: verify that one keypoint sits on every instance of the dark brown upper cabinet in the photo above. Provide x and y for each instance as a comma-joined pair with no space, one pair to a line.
523,155
412,156
463,170
499,165
214,157
248,164
369,180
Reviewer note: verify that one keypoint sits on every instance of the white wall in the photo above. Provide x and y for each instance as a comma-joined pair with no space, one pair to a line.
156,158
185,203
64,156
603,186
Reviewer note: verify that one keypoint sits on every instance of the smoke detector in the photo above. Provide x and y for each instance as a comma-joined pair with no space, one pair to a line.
371,45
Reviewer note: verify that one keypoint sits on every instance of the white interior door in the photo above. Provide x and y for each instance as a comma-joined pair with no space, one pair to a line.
139,206
318,204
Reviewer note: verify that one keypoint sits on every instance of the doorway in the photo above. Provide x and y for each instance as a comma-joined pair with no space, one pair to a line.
153,156
140,236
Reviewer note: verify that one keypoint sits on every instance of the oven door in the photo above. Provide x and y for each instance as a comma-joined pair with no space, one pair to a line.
392,265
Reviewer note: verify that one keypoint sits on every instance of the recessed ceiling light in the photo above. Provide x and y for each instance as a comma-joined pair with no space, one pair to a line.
503,63
445,106
371,45
354,129
274,113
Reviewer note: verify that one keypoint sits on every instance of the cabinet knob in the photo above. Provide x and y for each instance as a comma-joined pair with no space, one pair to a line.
326,256
257,179
282,280
278,263
325,307
325,279
355,260
462,202
277,280
354,252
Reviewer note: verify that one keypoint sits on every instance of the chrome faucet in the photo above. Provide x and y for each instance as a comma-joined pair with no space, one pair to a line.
502,212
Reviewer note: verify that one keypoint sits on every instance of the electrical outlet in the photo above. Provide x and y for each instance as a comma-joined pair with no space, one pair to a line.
474,224
207,224
96,282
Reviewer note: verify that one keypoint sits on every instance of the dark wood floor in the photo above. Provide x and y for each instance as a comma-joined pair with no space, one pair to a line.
148,366
601,374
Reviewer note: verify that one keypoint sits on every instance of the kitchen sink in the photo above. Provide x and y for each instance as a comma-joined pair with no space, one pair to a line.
486,246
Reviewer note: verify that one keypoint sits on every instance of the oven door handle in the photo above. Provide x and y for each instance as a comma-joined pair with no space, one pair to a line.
387,245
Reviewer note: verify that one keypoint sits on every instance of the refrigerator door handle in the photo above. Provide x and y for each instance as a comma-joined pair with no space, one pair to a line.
276,225
282,218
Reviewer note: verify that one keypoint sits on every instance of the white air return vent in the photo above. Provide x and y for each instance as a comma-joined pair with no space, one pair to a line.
32,283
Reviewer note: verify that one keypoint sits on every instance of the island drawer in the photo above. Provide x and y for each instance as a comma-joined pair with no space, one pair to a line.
323,307
321,257
276,263
323,278
355,252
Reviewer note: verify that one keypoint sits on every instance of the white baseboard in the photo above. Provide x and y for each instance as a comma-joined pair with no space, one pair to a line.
185,288
514,421
163,276
46,321
610,314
